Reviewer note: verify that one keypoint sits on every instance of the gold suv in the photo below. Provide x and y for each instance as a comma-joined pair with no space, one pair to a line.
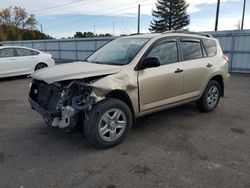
127,78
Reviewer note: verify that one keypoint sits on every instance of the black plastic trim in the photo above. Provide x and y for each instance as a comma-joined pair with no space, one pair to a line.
42,111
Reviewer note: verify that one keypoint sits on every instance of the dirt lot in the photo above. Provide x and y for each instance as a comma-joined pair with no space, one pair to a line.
175,148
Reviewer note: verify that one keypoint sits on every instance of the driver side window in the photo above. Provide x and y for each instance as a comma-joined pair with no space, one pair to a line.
166,52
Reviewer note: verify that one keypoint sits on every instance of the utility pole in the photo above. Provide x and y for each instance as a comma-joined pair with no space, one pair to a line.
139,19
41,26
243,15
217,15
113,28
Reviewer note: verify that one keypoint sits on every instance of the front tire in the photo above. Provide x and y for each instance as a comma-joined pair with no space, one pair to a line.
108,123
210,98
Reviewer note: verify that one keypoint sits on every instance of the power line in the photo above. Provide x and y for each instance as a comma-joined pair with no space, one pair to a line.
147,4
91,17
66,6
57,6
75,16
96,16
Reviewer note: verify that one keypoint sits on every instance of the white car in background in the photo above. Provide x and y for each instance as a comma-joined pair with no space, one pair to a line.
16,60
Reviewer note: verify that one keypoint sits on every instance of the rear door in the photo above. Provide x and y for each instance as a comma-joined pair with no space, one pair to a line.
161,85
196,67
8,65
26,60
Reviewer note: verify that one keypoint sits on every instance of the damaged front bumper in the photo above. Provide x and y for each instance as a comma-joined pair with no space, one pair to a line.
61,105
45,113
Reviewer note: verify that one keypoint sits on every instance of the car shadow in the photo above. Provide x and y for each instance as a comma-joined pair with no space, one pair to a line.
174,114
144,125
14,78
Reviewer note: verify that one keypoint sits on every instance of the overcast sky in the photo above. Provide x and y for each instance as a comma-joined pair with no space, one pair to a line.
62,18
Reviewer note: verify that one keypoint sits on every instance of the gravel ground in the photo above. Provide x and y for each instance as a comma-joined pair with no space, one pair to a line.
180,147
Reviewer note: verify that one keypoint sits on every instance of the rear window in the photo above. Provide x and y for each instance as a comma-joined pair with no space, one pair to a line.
191,50
210,46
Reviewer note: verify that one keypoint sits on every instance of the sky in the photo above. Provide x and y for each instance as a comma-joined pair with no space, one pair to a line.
62,18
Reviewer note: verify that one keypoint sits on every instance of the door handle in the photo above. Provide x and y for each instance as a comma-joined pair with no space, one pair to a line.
12,59
209,65
178,70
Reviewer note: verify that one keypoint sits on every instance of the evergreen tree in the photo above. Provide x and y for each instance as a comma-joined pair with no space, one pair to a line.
170,15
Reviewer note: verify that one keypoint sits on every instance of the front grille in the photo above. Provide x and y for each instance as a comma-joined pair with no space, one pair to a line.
44,94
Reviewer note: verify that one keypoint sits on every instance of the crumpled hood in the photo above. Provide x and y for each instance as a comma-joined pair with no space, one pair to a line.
75,70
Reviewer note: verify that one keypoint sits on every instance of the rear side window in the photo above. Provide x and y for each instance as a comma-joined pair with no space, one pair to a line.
6,52
25,52
34,52
166,52
191,50
210,46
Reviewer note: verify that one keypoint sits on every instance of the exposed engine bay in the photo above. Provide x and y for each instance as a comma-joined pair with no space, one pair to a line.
63,104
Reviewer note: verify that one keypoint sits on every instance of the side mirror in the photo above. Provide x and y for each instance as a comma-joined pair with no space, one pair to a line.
148,63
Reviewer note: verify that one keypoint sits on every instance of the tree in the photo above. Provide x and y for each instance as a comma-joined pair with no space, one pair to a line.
17,24
170,15
17,17
104,35
34,35
2,35
78,35
90,34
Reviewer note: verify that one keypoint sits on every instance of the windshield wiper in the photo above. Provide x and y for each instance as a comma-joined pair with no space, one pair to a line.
105,63
96,62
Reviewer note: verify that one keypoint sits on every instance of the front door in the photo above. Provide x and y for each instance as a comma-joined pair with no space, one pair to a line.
161,85
8,64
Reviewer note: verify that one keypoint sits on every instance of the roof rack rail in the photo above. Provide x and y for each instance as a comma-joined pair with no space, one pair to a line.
188,32
136,34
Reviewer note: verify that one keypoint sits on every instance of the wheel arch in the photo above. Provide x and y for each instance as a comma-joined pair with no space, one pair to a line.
123,96
40,63
219,79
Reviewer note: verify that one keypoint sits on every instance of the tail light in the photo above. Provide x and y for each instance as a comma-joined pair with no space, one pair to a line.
225,58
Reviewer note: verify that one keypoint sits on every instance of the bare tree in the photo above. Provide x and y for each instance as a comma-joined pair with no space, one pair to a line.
17,17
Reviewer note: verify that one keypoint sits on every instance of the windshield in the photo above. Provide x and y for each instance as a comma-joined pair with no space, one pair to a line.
118,52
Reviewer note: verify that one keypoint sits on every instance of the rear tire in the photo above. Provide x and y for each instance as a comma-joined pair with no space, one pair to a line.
40,66
108,123
210,98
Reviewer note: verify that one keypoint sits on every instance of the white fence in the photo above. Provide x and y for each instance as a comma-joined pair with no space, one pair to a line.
236,44
65,49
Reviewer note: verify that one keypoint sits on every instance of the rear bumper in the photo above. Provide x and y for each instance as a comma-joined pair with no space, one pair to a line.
47,114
